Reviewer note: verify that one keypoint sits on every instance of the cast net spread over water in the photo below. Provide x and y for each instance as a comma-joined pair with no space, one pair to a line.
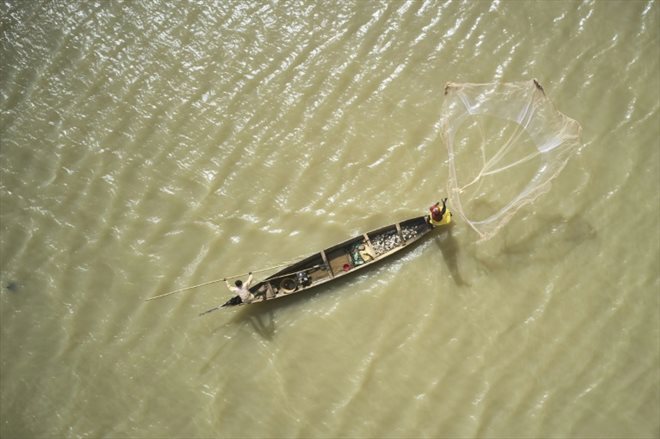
506,143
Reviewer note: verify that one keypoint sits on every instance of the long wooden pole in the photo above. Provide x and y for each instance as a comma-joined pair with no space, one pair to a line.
210,310
184,289
215,281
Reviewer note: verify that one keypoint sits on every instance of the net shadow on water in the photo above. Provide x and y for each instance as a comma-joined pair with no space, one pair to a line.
561,235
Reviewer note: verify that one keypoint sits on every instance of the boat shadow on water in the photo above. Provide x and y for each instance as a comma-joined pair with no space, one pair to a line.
449,249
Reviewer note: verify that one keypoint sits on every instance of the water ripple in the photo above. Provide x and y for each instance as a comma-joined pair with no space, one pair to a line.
148,147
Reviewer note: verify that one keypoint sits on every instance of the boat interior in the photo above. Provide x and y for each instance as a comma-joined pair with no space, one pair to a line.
341,259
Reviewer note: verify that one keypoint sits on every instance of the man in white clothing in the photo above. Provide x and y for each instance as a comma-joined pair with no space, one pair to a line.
242,289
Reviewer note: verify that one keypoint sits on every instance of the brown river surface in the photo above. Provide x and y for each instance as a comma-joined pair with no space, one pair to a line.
148,146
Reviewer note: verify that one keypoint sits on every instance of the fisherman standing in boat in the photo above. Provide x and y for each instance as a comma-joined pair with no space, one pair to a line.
242,289
437,216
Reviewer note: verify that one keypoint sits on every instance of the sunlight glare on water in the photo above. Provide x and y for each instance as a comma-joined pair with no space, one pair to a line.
150,146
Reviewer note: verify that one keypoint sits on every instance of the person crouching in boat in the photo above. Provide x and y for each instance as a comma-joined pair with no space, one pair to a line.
437,216
242,289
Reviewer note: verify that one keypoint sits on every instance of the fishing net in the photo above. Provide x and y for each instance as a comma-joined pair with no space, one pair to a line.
506,143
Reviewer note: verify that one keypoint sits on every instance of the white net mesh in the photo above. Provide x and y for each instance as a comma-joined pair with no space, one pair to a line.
506,143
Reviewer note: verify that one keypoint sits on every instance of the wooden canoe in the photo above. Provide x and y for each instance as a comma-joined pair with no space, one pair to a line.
341,260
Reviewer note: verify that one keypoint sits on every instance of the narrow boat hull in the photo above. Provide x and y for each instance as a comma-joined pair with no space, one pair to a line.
341,260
